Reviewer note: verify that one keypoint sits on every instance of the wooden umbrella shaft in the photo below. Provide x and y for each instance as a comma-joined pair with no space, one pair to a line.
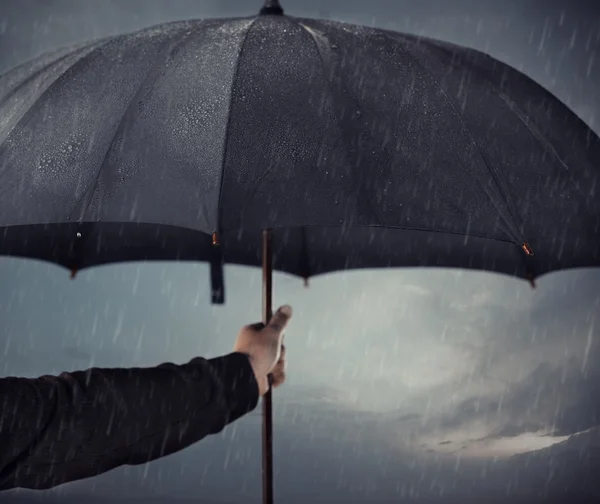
267,309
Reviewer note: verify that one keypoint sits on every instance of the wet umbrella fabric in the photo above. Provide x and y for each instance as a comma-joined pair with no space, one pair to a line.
358,147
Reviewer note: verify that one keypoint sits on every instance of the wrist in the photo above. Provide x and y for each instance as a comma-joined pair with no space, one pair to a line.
260,376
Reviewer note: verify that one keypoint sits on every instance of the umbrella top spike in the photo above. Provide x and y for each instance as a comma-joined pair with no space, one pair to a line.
271,7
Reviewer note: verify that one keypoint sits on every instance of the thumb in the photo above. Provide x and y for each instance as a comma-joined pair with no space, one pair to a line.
280,319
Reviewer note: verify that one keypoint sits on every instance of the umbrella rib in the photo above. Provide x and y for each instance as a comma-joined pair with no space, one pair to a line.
440,231
517,222
313,36
530,125
229,121
94,182
29,78
78,61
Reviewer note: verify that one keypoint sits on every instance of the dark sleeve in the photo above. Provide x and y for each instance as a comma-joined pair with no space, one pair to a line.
59,429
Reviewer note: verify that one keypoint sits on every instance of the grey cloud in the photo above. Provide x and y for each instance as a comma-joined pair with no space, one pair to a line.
514,429
561,400
409,417
569,292
566,472
77,353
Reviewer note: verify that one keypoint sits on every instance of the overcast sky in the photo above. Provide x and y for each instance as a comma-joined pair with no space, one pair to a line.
432,384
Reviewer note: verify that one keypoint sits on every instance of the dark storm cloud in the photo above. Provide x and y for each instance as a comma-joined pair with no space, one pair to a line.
573,293
561,400
532,370
558,323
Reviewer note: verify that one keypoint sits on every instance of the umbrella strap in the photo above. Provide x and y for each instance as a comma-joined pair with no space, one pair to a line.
528,255
77,249
217,277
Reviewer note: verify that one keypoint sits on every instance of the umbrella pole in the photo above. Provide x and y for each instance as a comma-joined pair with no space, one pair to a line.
267,312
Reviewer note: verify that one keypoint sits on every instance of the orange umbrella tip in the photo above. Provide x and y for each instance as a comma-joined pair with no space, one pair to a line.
73,273
527,248
306,282
215,239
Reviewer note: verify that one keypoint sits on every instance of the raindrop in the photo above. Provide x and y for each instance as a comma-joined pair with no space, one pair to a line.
590,64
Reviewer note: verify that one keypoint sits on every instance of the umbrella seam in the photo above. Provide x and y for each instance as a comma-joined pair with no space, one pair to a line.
308,30
516,221
447,46
528,123
229,121
50,86
29,78
455,233
94,182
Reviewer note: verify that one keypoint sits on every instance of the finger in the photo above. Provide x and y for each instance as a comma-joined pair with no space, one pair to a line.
281,354
278,372
280,319
280,364
278,378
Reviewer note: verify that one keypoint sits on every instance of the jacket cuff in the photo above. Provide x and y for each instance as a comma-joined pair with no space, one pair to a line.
240,388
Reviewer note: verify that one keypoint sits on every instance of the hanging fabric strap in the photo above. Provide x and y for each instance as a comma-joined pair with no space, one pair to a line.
217,280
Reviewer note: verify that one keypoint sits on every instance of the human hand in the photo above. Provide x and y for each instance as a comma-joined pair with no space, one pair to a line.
264,348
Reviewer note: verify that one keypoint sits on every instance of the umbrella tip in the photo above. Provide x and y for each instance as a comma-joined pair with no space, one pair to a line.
527,248
272,8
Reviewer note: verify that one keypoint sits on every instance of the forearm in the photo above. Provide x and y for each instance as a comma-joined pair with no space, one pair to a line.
85,423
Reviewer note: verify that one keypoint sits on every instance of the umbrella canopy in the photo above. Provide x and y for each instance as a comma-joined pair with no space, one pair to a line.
359,147
354,147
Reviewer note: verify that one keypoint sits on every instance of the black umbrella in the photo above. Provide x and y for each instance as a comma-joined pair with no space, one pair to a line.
343,146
